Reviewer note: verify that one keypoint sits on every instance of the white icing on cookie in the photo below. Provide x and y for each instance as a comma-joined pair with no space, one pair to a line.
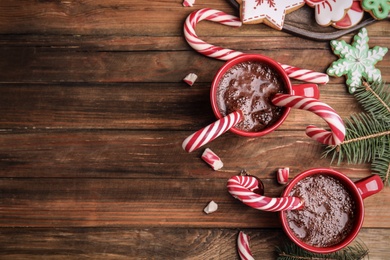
271,12
329,11
352,17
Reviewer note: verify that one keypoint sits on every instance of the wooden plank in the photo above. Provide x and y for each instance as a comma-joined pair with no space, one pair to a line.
43,65
151,154
133,106
170,43
136,243
112,106
113,17
145,202
65,16
96,17
97,42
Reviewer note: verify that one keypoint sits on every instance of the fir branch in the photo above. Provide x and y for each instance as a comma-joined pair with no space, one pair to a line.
365,137
381,166
291,251
374,98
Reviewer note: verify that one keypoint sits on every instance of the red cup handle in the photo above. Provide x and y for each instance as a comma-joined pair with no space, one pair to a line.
306,90
369,186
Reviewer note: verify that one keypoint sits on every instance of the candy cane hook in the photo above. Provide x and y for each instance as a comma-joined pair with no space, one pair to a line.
333,137
241,187
220,53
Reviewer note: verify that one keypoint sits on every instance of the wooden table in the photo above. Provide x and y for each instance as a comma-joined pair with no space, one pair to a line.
93,114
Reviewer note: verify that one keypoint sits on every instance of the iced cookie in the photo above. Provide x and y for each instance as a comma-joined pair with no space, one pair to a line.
356,61
269,12
329,11
379,9
352,17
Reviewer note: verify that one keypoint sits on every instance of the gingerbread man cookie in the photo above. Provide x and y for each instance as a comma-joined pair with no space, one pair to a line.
356,61
329,11
269,12
379,9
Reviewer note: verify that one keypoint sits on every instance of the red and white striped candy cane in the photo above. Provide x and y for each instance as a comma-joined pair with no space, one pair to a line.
241,187
243,248
202,47
305,75
212,131
333,137
220,53
282,175
212,159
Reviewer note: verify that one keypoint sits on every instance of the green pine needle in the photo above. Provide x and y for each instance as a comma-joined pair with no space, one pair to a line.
367,136
291,251
374,98
381,166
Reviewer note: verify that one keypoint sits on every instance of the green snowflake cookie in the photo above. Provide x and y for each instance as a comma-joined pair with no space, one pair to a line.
356,61
379,9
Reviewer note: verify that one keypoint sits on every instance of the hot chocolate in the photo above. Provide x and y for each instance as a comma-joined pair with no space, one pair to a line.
249,86
328,213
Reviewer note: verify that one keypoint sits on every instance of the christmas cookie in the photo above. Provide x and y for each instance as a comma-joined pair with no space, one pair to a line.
329,11
356,61
352,17
269,12
379,9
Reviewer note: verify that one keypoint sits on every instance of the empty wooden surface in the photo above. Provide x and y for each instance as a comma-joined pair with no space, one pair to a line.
93,111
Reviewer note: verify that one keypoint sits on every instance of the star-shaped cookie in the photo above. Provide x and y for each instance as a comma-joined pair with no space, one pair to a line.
270,12
356,60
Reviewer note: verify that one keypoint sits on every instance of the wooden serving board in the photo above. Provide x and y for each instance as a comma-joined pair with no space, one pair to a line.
302,23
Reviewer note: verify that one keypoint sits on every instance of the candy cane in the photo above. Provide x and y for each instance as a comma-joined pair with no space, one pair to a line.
212,159
337,134
282,175
241,187
212,131
220,53
243,247
305,75
203,47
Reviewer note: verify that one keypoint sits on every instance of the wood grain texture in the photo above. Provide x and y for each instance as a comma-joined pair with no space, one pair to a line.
117,17
93,111
148,202
41,65
133,243
133,106
138,154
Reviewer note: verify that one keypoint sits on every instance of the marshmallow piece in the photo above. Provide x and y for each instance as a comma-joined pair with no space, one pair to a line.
188,3
190,79
211,207
212,159
282,175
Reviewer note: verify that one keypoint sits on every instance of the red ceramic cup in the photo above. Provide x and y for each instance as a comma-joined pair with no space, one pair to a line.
306,90
303,96
358,190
